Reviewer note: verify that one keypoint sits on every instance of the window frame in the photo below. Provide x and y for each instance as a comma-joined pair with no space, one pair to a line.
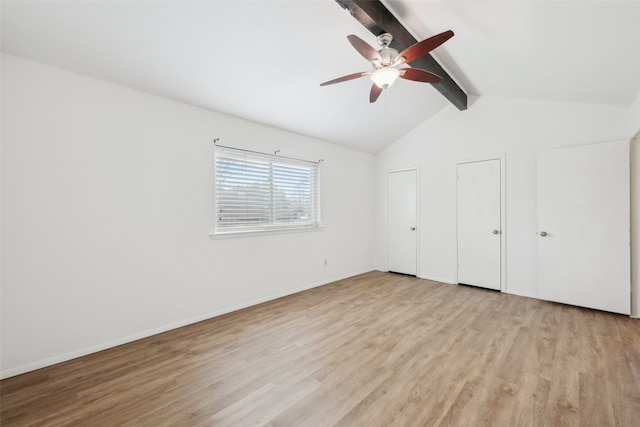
270,226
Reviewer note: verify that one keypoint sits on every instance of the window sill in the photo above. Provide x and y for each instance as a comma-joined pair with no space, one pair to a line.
256,233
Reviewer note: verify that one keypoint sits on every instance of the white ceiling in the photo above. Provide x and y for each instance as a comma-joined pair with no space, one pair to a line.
263,60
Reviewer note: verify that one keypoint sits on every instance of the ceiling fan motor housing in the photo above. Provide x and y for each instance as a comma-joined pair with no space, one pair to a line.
387,54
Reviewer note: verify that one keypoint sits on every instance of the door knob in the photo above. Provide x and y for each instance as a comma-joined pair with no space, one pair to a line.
542,233
496,232
413,228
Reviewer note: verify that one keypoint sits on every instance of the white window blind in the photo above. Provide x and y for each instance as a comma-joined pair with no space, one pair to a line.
258,192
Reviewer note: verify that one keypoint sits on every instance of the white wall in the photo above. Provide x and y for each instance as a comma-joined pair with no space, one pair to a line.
519,128
107,205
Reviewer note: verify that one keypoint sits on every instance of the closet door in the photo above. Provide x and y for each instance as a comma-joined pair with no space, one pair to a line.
479,223
583,226
402,236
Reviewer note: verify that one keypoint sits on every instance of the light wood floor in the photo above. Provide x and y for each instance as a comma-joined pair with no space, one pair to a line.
374,350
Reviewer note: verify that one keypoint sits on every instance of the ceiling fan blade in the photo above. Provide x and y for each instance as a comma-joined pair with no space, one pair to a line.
364,48
375,93
415,51
418,75
345,78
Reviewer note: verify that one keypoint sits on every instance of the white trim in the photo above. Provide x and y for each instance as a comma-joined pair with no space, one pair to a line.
437,279
634,203
523,294
386,215
32,366
503,212
500,156
256,233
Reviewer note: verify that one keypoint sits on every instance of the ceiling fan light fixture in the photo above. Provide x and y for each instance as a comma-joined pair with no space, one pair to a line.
384,77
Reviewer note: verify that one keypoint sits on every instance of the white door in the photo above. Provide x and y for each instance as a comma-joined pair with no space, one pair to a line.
479,223
583,226
402,231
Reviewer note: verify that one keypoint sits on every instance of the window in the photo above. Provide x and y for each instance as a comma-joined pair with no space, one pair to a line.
260,192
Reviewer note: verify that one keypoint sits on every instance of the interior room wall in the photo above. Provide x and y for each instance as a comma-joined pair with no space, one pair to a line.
519,128
107,206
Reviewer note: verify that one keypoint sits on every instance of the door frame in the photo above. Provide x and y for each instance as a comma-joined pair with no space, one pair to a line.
503,213
386,215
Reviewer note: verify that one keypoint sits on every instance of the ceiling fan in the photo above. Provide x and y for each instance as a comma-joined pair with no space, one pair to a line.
386,62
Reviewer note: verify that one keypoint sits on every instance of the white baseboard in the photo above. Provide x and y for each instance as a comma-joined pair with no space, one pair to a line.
28,367
508,291
438,279
522,293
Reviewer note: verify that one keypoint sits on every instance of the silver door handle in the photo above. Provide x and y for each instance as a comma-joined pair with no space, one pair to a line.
542,233
496,231
413,228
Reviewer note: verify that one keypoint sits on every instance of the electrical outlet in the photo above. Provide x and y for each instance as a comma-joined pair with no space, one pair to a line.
325,262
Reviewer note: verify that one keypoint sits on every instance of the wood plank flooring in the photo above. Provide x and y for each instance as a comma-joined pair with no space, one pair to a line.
377,349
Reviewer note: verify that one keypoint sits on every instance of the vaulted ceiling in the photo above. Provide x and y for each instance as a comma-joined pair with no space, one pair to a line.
263,60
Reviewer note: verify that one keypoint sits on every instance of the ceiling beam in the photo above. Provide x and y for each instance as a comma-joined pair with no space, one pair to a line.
375,17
